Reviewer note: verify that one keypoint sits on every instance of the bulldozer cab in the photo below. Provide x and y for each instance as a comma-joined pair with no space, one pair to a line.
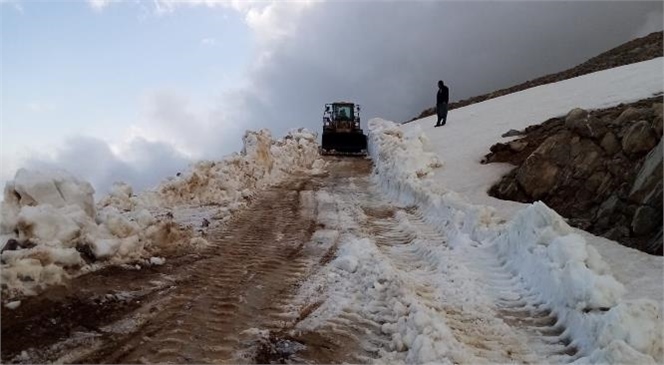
343,111
342,133
342,117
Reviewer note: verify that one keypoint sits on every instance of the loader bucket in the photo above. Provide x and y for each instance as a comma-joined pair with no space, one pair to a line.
344,143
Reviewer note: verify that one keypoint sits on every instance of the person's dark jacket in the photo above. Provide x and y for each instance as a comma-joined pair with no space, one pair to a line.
443,96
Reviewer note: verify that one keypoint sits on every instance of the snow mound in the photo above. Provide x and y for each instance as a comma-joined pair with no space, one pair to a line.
537,245
51,228
263,161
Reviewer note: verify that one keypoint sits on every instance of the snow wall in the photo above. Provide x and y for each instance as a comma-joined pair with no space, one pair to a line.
537,246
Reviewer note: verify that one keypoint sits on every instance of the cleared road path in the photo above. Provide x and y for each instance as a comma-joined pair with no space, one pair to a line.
271,289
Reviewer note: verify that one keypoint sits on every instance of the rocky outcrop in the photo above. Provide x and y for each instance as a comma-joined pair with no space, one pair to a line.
637,50
601,169
639,137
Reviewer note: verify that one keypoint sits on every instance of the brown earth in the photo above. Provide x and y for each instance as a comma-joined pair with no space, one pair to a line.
600,169
637,50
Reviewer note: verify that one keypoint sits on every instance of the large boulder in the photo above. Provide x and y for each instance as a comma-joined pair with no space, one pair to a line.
537,176
640,137
583,124
556,148
610,144
646,220
586,157
630,115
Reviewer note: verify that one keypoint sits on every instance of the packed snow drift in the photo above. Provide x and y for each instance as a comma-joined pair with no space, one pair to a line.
536,245
52,229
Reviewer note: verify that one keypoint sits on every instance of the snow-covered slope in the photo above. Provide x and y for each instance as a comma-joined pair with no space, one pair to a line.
471,130
572,272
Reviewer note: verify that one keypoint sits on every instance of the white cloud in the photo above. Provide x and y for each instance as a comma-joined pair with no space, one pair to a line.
195,128
208,41
16,4
276,20
269,20
99,5
142,163
40,107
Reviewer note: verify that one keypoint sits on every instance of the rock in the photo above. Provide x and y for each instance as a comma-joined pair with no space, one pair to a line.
646,220
11,245
518,146
512,133
575,115
610,143
602,224
657,126
657,109
597,181
205,223
585,125
586,158
556,148
580,223
590,128
629,115
87,252
640,137
608,206
509,190
647,187
617,233
537,176
654,246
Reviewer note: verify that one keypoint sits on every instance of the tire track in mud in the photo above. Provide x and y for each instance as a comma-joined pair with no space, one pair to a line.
244,282
507,325
348,337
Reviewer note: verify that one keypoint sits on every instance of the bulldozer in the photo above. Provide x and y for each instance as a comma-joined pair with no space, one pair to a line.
342,134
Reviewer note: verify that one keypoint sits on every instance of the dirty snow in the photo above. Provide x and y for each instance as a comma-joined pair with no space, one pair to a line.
60,232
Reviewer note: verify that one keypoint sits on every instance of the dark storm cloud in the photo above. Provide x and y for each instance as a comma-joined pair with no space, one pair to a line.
388,56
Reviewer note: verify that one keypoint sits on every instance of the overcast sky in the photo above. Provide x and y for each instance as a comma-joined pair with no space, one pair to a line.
136,90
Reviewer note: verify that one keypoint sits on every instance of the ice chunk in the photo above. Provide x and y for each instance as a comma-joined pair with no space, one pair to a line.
13,305
157,261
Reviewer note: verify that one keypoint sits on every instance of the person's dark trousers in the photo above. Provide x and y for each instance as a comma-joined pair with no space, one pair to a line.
442,114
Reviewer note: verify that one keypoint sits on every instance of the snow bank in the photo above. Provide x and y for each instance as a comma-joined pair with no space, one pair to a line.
537,245
263,161
404,168
51,229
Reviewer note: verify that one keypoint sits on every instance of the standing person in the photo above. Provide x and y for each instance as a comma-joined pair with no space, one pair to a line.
442,99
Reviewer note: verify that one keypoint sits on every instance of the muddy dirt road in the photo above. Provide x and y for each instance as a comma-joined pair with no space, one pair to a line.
271,290
199,307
